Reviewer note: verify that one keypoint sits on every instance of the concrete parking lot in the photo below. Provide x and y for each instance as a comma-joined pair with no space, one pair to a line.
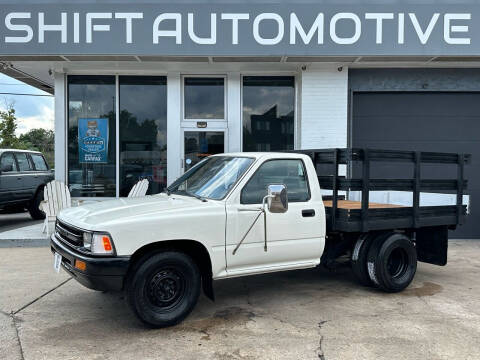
9,221
308,314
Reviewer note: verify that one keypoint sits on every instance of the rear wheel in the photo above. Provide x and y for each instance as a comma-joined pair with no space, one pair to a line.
359,259
164,288
34,208
392,262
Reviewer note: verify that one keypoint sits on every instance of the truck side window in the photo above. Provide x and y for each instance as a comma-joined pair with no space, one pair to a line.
289,172
39,162
7,163
23,163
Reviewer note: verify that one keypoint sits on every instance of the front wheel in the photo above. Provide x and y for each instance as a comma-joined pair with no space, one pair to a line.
164,288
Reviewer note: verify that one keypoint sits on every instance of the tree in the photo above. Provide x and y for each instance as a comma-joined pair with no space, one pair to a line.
39,140
8,125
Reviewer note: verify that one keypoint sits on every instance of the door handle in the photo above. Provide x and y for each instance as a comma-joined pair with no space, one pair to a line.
308,213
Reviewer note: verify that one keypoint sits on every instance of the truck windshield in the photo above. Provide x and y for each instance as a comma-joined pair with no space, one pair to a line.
212,178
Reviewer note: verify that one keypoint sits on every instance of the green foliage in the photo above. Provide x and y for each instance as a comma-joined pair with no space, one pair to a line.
8,125
36,139
40,140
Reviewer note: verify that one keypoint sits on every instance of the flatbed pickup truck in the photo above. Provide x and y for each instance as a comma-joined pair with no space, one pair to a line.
242,214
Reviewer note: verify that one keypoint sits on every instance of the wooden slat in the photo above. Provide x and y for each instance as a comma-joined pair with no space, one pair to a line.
68,198
354,205
49,199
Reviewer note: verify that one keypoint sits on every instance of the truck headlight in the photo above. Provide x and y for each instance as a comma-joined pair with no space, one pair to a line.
98,243
87,240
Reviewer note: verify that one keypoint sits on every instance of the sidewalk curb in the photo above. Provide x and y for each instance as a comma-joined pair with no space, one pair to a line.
10,243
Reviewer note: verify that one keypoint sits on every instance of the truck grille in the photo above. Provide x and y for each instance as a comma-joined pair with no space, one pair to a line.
69,234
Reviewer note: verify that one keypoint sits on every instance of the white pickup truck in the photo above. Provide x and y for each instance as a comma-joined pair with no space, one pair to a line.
250,213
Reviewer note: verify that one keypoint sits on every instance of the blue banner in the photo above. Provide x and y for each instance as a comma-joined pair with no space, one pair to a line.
93,140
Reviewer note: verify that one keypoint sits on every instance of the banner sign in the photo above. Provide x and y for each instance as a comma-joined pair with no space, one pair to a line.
93,140
282,28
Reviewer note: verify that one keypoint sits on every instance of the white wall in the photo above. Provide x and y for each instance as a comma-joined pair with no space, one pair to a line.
174,111
323,107
60,127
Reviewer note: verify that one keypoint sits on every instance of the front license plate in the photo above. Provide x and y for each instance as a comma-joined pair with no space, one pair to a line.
57,262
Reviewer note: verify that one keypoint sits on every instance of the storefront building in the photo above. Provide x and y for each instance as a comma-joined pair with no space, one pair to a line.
146,90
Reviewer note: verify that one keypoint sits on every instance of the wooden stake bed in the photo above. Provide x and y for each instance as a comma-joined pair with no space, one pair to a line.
356,205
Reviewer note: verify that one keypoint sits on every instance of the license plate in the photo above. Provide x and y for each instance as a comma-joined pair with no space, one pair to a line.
57,262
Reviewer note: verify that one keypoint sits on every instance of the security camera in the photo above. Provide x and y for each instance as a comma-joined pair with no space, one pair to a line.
340,69
50,72
304,67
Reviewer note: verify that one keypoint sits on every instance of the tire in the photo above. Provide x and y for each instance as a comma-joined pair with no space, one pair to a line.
164,288
33,209
392,262
359,259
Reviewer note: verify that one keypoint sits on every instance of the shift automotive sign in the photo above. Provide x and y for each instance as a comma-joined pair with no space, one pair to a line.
241,29
93,140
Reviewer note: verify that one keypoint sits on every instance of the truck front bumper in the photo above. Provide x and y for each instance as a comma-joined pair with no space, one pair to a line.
101,273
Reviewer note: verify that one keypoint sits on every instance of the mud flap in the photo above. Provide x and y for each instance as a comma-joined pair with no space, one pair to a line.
432,245
207,284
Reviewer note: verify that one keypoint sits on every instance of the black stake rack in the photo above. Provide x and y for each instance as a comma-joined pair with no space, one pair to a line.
367,219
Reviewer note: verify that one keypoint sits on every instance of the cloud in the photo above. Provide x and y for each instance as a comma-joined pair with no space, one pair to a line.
44,119
31,111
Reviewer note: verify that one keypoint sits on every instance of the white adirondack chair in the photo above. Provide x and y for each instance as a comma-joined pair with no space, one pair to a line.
56,197
139,189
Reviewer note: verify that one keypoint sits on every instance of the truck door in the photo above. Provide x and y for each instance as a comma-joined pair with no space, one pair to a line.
10,180
293,238
27,174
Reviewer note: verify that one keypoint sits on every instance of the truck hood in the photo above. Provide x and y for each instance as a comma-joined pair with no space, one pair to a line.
95,215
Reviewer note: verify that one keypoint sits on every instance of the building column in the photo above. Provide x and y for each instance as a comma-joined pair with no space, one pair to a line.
234,112
174,141
60,127
324,107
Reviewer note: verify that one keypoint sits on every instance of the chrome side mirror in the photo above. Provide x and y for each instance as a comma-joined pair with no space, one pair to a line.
277,198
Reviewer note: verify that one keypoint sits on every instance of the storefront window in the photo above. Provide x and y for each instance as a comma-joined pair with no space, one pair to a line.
268,113
204,98
91,136
143,132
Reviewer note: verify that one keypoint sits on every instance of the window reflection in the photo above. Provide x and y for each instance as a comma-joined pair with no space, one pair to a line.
143,132
268,113
91,103
200,144
204,98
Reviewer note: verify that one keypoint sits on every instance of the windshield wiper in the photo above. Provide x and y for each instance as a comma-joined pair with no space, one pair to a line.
196,196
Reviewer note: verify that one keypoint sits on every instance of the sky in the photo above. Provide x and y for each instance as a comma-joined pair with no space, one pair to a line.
31,111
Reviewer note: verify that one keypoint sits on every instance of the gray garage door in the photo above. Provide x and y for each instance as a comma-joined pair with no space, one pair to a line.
448,122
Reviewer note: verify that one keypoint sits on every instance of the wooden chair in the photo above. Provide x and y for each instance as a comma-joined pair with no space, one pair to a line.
56,197
139,189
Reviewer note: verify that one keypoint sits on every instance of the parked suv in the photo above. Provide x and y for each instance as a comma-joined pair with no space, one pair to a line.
23,174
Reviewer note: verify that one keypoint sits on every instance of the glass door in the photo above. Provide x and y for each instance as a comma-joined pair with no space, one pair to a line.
204,123
198,144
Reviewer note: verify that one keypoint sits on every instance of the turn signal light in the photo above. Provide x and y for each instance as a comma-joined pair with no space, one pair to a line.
80,265
102,244
107,246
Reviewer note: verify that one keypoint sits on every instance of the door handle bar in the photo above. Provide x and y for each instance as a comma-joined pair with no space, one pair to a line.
308,213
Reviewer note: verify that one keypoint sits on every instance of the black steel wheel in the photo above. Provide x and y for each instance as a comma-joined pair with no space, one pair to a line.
392,262
164,288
